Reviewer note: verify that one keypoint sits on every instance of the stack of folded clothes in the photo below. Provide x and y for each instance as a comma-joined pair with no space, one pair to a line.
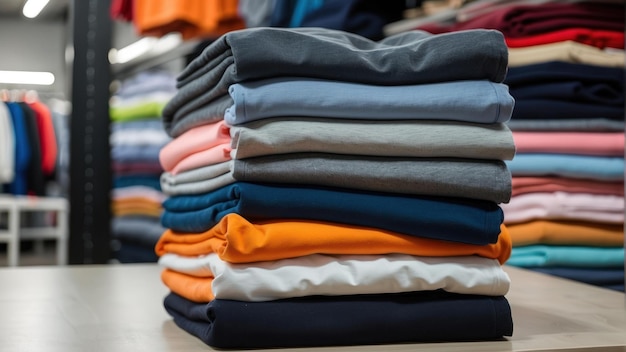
566,215
136,139
326,189
566,73
567,210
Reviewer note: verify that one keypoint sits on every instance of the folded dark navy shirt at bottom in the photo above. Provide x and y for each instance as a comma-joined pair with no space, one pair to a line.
426,316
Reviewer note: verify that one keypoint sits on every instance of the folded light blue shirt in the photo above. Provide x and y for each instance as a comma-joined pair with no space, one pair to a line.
478,101
566,165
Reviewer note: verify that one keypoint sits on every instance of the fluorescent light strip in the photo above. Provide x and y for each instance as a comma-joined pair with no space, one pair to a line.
134,50
32,8
143,47
27,77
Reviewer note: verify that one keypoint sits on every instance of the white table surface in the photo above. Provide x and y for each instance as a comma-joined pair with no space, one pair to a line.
119,308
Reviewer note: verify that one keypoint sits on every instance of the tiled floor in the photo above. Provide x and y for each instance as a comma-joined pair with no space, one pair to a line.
29,256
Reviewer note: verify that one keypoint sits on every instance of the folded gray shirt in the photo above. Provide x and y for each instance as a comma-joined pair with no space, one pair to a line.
450,177
454,177
598,124
403,138
202,179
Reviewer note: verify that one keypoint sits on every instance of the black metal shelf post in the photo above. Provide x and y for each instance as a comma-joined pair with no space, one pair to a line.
90,169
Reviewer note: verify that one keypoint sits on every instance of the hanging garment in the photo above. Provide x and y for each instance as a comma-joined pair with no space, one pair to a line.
23,152
47,137
35,176
7,146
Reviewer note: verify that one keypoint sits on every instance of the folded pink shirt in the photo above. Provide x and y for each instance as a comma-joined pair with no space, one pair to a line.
211,156
601,208
195,140
584,143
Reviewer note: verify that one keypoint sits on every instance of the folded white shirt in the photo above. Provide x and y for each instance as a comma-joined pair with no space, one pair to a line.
319,274
604,208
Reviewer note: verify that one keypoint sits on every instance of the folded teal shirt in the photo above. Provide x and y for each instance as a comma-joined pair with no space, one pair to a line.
443,218
567,256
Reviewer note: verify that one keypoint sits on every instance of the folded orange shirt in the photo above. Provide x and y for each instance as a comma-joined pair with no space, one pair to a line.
192,18
574,233
136,205
197,289
236,240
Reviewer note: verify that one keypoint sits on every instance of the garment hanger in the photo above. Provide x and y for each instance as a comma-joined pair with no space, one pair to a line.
17,95
5,95
31,96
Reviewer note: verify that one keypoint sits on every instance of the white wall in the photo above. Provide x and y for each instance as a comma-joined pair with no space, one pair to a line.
35,46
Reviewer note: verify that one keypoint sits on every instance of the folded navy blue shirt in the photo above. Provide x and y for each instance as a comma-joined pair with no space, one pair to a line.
148,180
592,276
363,17
444,218
560,71
592,93
426,316
550,109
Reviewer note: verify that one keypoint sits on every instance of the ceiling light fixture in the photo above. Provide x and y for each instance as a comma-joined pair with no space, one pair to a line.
27,77
32,8
132,51
144,47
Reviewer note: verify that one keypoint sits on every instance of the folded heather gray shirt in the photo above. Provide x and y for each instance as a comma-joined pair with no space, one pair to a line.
199,187
478,101
465,178
402,138
201,173
198,180
193,180
411,57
